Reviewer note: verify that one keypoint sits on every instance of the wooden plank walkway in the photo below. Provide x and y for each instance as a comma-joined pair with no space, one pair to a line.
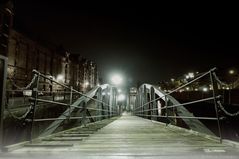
126,137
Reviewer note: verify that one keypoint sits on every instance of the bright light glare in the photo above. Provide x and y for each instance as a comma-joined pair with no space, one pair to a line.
191,75
231,72
119,90
116,79
60,78
86,83
205,89
121,97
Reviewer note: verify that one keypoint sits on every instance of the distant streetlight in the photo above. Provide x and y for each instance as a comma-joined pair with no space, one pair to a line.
205,89
121,97
231,72
86,84
191,75
60,78
119,90
116,79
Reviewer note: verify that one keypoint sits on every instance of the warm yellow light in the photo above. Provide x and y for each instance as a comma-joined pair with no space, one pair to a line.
60,78
231,72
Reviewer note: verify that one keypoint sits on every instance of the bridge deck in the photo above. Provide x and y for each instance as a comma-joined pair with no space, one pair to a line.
127,137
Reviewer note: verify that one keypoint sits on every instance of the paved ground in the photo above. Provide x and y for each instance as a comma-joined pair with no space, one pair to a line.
127,137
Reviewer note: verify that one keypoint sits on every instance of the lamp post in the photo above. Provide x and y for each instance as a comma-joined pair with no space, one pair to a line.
116,79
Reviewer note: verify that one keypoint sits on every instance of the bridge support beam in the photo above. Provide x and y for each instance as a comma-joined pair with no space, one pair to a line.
153,104
3,73
99,105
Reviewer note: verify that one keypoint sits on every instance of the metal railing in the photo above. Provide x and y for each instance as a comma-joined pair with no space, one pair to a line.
3,73
103,106
149,109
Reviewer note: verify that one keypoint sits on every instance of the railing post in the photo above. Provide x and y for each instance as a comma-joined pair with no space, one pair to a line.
110,101
70,102
84,113
144,101
3,73
214,91
166,105
103,108
153,103
99,105
33,106
114,101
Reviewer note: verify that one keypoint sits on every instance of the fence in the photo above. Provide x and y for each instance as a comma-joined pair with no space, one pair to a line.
150,109
103,105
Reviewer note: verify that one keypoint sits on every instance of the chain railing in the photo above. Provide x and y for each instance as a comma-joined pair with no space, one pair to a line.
103,107
170,106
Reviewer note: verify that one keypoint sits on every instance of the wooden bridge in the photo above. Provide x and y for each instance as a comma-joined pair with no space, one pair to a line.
125,137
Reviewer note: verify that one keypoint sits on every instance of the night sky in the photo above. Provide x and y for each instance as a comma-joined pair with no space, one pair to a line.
146,42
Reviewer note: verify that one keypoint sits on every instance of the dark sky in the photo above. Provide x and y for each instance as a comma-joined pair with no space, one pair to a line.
146,41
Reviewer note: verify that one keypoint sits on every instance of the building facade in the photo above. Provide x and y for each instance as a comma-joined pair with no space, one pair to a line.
25,54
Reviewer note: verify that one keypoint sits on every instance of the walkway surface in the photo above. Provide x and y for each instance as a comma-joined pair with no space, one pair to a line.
126,137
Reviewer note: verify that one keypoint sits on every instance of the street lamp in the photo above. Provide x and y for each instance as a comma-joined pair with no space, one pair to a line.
116,79
121,97
119,90
205,89
60,78
231,72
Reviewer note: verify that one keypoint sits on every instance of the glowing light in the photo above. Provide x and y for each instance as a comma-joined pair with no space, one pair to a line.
103,93
191,75
86,84
159,107
231,72
121,97
60,78
119,90
196,89
205,89
187,88
116,79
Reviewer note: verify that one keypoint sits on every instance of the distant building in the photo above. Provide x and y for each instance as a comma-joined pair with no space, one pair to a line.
25,54
132,98
6,17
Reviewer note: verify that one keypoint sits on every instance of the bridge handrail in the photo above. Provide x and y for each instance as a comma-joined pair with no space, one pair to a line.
140,110
65,86
179,87
101,111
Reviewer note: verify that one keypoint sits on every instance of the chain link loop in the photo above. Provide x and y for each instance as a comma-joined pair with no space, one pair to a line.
28,86
225,111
